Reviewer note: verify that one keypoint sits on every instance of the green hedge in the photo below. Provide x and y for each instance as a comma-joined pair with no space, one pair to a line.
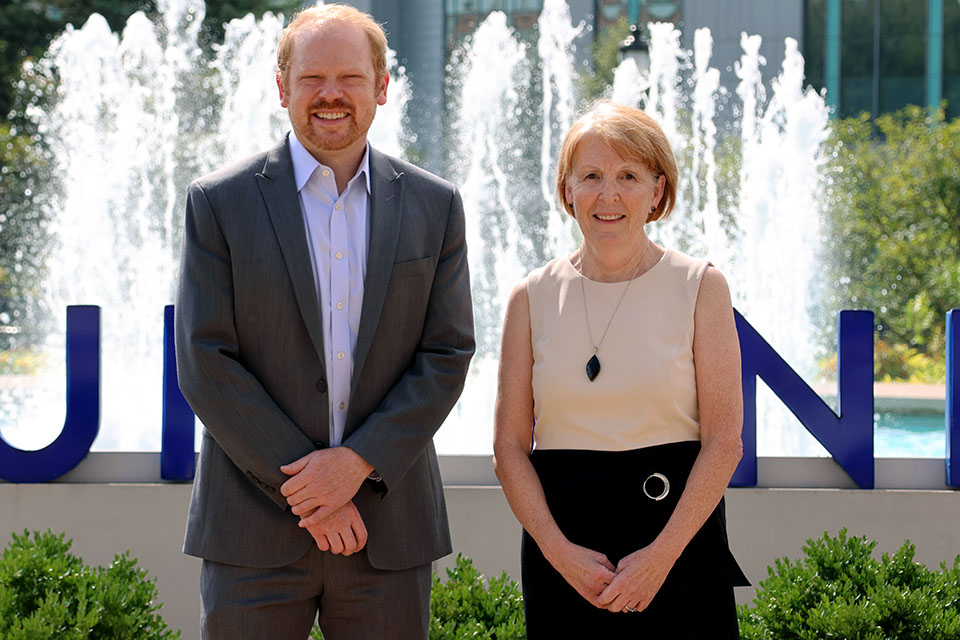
467,606
839,590
47,592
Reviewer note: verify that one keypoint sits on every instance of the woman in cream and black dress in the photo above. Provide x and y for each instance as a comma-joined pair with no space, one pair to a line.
620,362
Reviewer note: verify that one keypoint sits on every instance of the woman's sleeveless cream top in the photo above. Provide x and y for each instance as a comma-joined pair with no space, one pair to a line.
646,392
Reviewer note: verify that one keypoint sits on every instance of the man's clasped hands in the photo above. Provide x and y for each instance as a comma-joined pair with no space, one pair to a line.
321,489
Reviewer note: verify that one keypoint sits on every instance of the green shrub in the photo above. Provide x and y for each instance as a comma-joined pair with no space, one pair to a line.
46,592
895,363
891,225
466,606
839,590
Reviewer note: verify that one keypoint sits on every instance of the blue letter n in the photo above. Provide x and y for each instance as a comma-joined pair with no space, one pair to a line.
848,436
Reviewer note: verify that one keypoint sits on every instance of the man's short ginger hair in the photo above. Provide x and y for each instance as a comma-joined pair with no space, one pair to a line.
319,15
633,135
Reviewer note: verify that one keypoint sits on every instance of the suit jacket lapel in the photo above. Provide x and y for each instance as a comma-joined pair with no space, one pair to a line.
386,200
279,190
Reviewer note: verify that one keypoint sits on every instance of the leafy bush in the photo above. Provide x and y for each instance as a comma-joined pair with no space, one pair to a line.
47,592
898,362
895,363
892,224
465,606
841,591
21,361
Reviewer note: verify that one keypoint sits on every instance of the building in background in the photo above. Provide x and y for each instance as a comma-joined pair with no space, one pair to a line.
881,55
868,55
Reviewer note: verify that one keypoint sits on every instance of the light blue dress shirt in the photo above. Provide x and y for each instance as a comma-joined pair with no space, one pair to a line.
337,227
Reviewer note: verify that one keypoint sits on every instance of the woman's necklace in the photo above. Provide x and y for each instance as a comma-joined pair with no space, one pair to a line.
593,364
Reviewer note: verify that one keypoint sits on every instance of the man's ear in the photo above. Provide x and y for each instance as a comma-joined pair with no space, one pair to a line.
382,90
283,94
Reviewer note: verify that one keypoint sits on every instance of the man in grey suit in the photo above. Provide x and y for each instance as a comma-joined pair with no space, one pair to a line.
323,332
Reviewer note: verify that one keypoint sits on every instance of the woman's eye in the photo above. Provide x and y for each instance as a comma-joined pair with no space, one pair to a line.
629,176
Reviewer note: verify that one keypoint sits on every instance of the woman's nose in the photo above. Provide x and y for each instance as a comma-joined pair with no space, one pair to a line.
609,190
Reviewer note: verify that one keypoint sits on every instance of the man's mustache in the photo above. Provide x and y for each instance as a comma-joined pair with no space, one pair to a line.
339,105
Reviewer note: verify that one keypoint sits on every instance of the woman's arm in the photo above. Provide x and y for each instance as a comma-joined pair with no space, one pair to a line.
716,357
589,572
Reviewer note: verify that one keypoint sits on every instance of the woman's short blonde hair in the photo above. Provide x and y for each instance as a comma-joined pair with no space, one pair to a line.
633,135
316,16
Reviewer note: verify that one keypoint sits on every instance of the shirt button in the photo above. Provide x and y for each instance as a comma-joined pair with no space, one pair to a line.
326,173
342,405
339,255
340,306
336,207
340,356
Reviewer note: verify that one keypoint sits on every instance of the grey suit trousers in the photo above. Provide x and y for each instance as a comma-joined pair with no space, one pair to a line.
355,601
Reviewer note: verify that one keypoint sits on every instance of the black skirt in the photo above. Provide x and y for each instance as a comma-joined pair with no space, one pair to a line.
604,500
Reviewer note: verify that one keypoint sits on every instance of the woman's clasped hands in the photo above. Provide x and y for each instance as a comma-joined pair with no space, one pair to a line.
629,587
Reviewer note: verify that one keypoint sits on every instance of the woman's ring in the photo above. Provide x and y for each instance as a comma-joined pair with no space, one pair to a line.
631,610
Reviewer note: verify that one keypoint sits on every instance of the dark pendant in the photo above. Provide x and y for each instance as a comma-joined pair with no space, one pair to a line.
593,367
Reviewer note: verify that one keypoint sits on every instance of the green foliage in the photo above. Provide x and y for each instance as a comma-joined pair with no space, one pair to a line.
895,363
30,190
219,13
839,590
25,190
21,362
47,592
467,606
27,27
898,362
893,225
595,82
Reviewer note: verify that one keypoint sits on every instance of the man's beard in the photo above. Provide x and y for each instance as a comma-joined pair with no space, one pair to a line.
330,140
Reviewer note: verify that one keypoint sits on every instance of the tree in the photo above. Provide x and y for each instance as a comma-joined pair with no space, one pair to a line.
28,26
893,225
596,80
23,237
28,188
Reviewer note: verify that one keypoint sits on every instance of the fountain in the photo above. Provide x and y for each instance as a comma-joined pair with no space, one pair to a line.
160,113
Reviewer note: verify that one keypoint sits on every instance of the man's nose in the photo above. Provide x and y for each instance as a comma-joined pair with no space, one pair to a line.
330,88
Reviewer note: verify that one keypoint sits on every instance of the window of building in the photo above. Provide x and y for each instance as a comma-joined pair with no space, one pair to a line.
856,57
883,54
951,57
903,52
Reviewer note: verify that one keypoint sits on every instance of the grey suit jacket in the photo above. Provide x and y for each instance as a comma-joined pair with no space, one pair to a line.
250,358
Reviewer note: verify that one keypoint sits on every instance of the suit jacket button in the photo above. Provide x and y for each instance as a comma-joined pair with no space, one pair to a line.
322,385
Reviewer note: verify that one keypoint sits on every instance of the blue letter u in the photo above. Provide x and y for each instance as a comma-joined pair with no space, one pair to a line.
83,407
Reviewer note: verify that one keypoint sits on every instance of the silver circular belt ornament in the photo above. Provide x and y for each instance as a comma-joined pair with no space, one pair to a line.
666,486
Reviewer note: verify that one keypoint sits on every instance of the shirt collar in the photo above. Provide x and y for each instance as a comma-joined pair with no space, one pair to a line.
304,164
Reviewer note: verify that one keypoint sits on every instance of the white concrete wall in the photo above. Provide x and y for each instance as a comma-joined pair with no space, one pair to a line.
148,518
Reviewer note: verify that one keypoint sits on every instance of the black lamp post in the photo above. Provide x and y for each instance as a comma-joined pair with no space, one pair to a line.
637,48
